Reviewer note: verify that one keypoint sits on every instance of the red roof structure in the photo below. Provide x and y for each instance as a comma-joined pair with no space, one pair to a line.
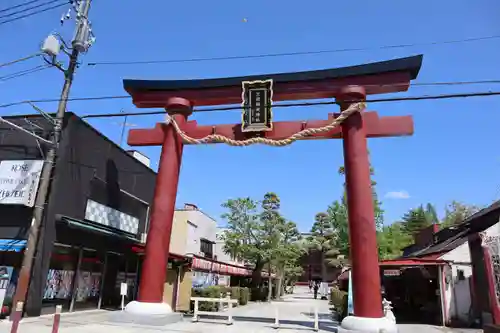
430,260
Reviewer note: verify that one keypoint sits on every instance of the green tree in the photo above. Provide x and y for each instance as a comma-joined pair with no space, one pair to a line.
322,239
419,218
257,234
292,273
271,226
288,253
430,212
392,239
337,216
457,212
242,237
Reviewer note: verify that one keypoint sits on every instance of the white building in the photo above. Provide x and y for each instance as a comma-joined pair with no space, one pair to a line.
443,258
201,231
196,235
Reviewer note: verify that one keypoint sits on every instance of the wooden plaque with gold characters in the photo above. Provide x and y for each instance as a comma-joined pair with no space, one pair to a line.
257,106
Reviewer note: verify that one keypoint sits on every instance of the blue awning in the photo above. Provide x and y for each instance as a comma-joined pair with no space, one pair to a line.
14,245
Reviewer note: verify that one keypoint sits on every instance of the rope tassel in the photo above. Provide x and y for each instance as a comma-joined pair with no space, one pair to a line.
217,138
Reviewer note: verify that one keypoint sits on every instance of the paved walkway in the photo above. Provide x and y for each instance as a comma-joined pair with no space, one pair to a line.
296,314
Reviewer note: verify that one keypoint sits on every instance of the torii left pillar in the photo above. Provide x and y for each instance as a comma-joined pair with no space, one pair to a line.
153,272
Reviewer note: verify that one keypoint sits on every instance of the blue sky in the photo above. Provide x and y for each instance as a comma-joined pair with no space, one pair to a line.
452,156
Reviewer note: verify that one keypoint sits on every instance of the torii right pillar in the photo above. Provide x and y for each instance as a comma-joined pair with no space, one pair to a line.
365,275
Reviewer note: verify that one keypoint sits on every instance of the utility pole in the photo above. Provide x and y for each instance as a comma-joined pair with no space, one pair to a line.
81,42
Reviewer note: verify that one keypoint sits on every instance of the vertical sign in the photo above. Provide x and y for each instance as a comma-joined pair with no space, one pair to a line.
257,102
123,294
350,303
19,182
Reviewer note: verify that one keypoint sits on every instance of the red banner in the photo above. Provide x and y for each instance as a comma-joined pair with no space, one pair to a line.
221,268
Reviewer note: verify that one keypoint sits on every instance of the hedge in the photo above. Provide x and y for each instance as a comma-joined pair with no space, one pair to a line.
238,293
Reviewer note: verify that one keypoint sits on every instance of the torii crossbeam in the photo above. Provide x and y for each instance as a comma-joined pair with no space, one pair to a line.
347,85
375,127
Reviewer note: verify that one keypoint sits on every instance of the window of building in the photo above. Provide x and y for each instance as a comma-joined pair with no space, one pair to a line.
192,239
207,247
60,278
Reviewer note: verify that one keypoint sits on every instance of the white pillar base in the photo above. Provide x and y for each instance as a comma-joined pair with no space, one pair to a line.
367,325
148,309
142,313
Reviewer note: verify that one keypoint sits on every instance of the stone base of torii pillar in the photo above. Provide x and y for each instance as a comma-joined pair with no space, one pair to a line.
386,324
353,324
144,313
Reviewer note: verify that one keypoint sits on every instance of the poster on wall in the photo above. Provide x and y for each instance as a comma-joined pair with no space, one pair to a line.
224,280
88,285
205,279
12,287
19,181
58,284
5,275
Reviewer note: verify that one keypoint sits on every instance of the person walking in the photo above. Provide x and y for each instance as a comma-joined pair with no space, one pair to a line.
310,286
316,287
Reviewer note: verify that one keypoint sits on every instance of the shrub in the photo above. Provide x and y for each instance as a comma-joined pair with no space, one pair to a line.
235,293
209,292
238,293
244,295
338,299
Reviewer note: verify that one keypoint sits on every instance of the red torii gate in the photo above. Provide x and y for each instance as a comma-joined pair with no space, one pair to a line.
347,85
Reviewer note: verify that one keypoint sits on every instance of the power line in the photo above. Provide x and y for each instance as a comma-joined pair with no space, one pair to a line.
24,10
288,54
49,100
22,129
306,104
454,83
24,72
19,60
99,98
17,6
33,13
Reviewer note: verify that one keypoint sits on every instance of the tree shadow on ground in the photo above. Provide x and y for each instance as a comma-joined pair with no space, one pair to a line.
324,325
321,316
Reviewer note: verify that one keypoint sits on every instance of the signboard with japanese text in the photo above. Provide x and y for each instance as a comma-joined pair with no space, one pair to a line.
257,106
19,181
123,289
392,272
5,275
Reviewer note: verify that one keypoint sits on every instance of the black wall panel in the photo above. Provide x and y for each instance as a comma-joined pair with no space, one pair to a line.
89,166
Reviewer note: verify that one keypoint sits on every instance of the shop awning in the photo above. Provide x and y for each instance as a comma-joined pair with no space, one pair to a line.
219,267
12,245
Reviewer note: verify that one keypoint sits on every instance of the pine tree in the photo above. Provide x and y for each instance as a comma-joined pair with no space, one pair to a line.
416,219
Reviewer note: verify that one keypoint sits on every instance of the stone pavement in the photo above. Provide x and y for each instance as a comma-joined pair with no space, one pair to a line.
296,313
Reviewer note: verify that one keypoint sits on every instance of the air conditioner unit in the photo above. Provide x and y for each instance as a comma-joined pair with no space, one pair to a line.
144,237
